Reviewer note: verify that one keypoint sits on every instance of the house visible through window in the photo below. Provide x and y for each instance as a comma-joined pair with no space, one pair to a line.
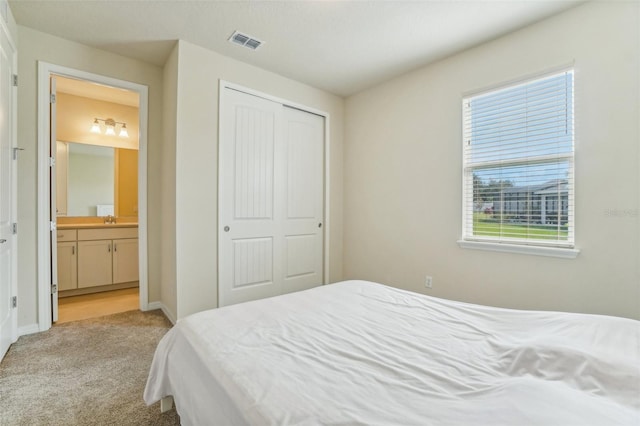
518,163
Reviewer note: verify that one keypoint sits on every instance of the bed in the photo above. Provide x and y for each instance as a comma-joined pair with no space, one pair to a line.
361,353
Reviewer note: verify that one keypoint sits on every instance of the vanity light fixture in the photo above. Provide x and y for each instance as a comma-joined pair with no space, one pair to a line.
109,127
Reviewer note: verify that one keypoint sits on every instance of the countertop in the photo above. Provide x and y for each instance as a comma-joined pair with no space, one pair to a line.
95,225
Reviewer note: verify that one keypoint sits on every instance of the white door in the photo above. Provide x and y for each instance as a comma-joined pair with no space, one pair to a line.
8,323
53,149
62,166
270,199
303,200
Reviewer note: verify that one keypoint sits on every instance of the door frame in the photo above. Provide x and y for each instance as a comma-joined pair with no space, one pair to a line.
13,106
44,198
223,84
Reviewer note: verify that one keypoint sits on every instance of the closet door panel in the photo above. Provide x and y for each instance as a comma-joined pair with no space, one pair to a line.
249,252
303,224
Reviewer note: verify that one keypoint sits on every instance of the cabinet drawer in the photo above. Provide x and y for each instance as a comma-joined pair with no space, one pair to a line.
107,233
66,234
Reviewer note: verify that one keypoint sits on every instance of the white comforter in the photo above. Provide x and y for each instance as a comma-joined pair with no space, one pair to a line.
363,353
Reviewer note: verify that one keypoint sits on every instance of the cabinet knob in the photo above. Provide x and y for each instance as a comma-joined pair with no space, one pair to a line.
226,229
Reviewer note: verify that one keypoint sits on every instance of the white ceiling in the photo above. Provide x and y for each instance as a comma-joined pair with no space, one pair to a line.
338,46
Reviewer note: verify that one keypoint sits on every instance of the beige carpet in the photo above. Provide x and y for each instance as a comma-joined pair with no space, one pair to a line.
89,372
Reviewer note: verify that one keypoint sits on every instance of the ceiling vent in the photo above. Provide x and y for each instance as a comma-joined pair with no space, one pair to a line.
245,40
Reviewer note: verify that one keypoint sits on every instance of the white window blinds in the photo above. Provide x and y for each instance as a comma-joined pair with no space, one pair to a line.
518,163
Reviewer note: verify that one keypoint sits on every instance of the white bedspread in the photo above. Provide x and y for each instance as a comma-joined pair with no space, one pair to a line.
363,353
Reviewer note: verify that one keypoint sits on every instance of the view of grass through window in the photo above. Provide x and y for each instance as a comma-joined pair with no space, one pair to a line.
518,162
487,224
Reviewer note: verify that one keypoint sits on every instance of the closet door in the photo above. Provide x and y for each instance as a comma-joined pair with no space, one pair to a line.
303,202
250,253
270,199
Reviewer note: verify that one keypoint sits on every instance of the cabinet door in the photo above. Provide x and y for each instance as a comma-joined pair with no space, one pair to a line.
94,263
125,260
67,266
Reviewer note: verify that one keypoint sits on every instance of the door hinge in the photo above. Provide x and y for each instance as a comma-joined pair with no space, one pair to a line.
15,152
52,161
14,302
14,80
54,288
52,226
52,98
14,228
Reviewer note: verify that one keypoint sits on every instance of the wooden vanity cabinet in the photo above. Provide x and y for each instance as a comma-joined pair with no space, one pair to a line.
125,260
97,257
67,260
94,263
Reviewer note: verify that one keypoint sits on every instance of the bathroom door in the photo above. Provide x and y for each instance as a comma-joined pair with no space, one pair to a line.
53,149
8,152
270,200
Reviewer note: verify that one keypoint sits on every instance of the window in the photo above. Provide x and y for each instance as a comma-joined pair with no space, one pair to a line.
518,160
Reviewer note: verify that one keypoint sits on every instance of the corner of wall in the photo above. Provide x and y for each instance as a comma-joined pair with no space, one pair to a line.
167,210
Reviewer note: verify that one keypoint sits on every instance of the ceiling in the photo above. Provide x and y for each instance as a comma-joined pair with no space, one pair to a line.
342,47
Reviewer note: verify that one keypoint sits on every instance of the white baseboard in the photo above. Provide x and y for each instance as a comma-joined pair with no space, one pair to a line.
159,305
28,329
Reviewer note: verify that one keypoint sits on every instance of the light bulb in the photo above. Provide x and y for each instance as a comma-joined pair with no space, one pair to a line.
96,126
123,131
110,127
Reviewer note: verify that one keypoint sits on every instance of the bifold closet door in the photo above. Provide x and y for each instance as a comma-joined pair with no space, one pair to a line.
270,199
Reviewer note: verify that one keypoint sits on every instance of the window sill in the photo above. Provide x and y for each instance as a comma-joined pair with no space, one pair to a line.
562,252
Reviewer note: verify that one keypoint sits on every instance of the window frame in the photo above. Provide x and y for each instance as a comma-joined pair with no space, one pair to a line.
554,248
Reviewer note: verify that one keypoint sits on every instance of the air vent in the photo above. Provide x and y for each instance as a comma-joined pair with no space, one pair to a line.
245,40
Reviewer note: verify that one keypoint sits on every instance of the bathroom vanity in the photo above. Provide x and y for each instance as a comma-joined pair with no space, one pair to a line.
96,257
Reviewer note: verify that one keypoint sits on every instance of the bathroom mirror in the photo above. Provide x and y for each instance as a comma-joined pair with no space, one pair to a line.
95,180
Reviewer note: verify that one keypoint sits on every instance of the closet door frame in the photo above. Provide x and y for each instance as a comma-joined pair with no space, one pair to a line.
327,166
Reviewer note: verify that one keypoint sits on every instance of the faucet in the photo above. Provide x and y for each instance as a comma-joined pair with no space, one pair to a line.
110,219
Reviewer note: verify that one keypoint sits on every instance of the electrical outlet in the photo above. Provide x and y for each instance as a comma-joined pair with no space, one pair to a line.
428,282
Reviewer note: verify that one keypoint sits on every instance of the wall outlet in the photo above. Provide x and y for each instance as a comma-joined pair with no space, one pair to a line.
428,282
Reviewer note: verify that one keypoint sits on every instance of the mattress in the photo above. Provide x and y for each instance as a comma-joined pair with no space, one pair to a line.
362,353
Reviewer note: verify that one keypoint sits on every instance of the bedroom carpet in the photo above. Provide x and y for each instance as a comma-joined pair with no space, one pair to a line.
89,372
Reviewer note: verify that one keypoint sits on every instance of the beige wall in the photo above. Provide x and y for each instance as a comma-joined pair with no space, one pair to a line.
168,288
199,71
75,115
403,171
32,47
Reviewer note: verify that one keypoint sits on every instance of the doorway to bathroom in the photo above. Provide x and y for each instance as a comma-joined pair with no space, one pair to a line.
93,229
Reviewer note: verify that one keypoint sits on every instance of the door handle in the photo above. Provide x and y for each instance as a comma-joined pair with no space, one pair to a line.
3,241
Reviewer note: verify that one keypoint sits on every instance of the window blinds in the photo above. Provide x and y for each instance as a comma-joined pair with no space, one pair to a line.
518,163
